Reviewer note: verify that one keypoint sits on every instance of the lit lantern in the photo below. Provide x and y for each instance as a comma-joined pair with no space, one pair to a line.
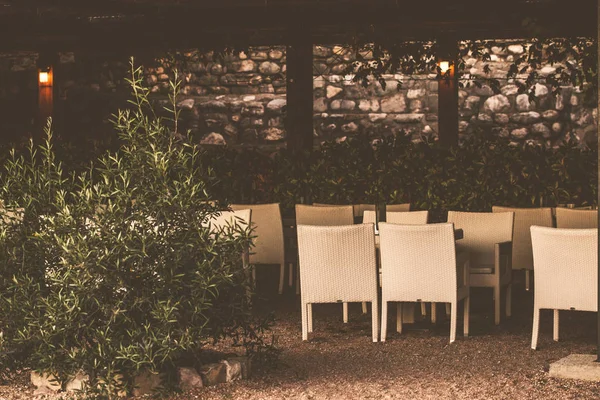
45,77
444,66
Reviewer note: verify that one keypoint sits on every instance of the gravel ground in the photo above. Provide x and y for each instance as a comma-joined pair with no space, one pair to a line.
341,362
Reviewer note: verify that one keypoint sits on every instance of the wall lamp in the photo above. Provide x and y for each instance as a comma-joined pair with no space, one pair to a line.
45,76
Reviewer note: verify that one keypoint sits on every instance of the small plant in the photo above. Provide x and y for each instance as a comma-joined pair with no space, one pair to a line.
114,271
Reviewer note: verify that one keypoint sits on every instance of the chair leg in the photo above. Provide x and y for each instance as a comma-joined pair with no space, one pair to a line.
345,311
297,279
423,309
536,327
384,310
399,317
364,307
447,309
304,310
466,306
527,279
375,320
509,300
453,318
310,317
281,277
556,322
497,305
433,313
408,313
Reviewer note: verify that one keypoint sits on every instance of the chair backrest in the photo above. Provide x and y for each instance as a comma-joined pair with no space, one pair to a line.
268,229
566,268
525,218
225,219
369,217
357,209
570,218
418,262
482,230
407,217
399,217
319,215
397,207
337,263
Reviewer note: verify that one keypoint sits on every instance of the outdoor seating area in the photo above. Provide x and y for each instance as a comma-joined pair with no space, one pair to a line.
299,199
410,261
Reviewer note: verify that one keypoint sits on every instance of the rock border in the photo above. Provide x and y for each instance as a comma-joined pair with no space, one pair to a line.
227,370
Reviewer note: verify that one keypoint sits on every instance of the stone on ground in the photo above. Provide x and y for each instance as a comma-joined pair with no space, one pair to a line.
78,382
577,366
146,383
44,380
213,374
189,379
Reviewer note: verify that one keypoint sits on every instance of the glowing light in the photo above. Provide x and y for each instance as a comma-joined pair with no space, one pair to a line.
444,66
44,77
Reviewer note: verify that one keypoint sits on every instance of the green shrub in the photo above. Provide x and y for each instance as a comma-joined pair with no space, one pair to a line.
484,171
113,270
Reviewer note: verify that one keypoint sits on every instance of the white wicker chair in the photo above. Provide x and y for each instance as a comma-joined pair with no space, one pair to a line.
488,241
569,218
325,215
337,264
369,214
357,209
399,217
397,207
369,217
269,243
566,272
407,217
525,218
418,264
224,219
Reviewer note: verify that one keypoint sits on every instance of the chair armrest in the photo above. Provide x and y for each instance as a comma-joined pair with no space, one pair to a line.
503,260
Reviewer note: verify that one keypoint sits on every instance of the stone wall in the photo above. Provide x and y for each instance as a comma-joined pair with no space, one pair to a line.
234,100
410,103
342,107
239,100
512,115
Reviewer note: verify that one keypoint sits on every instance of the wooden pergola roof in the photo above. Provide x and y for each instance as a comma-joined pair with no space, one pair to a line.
139,24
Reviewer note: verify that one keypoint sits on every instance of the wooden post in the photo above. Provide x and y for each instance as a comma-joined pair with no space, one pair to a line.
45,77
448,92
598,144
299,122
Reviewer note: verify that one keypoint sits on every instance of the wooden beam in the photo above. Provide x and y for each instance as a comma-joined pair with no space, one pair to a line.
164,26
448,91
299,75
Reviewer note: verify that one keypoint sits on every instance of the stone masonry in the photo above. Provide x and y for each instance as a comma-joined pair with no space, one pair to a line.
240,99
